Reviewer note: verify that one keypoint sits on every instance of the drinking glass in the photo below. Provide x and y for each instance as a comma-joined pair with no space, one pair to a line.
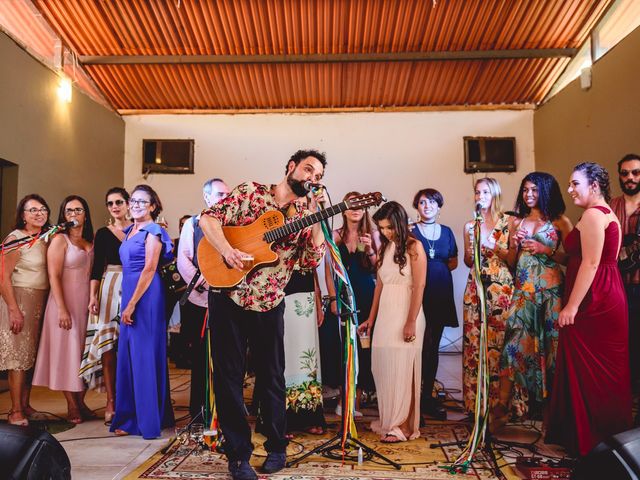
197,435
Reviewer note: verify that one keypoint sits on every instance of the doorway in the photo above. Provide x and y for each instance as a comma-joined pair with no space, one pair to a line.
8,195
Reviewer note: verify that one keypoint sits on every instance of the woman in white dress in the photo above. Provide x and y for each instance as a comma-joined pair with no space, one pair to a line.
396,356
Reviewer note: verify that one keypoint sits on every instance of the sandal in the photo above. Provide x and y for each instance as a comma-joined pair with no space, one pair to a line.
87,414
75,417
32,414
389,438
20,423
316,430
109,412
120,433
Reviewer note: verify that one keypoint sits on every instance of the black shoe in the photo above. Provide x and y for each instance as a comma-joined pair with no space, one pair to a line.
241,470
436,411
274,462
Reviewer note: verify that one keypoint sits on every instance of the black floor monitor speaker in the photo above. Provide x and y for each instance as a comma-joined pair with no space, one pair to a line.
617,458
27,453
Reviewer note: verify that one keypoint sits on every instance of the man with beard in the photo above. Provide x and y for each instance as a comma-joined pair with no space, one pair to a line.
253,311
627,208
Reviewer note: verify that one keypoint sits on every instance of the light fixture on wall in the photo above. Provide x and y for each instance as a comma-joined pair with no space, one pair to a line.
65,89
65,84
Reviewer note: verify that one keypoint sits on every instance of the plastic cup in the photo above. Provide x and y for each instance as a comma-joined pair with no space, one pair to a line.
247,261
365,340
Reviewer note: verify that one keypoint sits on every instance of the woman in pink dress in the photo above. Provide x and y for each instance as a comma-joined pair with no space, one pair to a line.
591,396
396,355
65,319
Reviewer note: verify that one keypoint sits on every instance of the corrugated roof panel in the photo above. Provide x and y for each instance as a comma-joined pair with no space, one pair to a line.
299,27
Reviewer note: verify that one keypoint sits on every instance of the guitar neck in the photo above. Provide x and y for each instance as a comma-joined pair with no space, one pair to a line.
304,222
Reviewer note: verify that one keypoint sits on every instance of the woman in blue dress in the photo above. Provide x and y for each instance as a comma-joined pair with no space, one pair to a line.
143,405
358,243
437,302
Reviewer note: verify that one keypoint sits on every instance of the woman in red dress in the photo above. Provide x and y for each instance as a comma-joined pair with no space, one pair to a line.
591,397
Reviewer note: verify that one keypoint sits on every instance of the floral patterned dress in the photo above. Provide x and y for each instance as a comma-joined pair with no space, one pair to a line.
531,340
499,289
302,354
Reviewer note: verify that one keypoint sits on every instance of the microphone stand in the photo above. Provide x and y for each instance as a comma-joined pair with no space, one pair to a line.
19,242
347,438
478,437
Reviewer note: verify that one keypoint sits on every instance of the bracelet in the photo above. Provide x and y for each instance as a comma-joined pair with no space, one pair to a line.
553,251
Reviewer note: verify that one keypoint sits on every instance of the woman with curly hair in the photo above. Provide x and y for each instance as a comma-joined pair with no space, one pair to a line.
591,396
529,355
396,357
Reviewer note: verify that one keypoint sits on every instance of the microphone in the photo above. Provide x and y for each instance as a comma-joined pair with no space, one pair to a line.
69,224
310,186
478,208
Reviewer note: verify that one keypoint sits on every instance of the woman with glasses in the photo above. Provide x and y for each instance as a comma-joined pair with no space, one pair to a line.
143,405
24,286
98,367
69,261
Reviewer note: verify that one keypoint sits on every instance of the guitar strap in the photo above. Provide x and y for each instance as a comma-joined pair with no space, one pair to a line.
197,235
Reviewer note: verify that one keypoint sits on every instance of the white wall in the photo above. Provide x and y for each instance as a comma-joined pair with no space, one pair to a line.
395,153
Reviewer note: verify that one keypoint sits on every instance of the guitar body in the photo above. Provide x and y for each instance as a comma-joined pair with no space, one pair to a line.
252,239
248,239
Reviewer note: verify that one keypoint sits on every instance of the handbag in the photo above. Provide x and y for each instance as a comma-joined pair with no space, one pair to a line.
629,257
172,279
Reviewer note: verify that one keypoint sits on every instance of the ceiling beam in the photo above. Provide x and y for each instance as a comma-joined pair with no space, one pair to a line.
327,58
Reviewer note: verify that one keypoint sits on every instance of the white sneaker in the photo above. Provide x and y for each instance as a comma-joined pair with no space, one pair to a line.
356,413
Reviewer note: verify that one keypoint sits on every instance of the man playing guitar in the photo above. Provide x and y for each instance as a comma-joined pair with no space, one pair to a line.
254,308
627,208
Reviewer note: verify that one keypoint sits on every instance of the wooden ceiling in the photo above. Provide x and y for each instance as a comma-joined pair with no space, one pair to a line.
322,55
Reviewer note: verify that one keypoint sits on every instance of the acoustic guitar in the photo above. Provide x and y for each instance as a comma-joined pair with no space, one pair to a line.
257,238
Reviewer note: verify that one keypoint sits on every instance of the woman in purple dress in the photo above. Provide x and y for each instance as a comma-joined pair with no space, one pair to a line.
143,405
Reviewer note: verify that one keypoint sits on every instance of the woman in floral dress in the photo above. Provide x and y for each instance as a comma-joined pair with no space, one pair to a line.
302,315
531,340
494,243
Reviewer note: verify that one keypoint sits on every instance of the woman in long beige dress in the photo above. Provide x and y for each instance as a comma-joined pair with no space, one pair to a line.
24,290
396,356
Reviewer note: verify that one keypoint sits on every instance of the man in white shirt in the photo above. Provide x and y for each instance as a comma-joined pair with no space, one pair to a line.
193,312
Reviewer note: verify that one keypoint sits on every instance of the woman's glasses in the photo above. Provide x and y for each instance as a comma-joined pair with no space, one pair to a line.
73,211
35,211
111,203
142,203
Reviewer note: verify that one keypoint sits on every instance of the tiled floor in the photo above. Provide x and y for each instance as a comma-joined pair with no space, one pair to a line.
97,454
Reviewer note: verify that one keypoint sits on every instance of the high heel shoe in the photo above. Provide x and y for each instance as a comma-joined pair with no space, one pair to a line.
109,412
20,423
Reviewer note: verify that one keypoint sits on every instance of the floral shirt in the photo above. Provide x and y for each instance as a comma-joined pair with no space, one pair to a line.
264,288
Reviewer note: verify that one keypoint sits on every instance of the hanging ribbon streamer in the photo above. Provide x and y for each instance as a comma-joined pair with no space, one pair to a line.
210,413
481,411
345,301
27,242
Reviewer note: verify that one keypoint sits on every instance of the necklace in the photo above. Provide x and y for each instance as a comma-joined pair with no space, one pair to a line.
431,243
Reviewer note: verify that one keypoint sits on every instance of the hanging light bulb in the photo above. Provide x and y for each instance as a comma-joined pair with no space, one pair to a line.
65,89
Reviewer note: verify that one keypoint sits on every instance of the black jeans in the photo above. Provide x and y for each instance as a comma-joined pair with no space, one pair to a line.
191,319
633,300
430,361
231,329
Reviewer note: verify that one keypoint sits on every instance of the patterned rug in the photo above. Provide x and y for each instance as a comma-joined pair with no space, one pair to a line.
418,459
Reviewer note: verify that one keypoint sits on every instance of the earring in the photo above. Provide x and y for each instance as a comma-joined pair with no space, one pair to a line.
110,221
